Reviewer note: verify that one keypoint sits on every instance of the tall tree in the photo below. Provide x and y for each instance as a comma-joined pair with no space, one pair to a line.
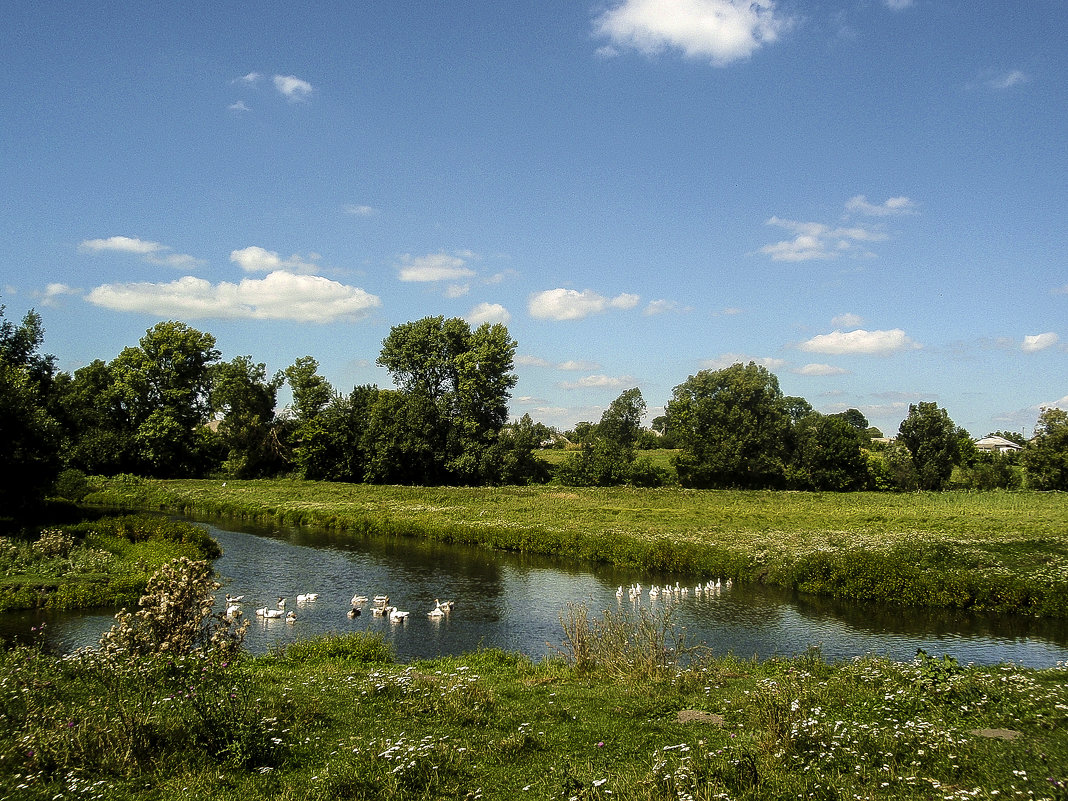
28,431
163,387
243,400
608,455
732,427
1046,456
458,382
827,455
934,443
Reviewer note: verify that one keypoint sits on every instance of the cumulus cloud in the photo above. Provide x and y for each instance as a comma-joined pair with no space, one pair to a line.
569,304
53,292
890,206
598,382
278,296
847,320
1037,342
434,267
151,252
489,313
815,240
719,31
255,259
860,342
292,87
820,370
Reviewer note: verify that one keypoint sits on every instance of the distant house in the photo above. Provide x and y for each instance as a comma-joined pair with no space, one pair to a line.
996,445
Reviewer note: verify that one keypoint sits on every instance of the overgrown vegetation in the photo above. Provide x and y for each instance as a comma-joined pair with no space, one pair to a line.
993,551
97,563
149,716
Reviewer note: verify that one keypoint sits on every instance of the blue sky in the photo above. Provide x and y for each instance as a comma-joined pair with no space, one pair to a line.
869,197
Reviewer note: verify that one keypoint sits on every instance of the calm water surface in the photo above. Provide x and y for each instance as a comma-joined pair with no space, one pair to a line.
514,602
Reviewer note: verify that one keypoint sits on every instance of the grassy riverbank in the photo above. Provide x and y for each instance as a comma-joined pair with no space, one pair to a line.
336,719
993,551
97,563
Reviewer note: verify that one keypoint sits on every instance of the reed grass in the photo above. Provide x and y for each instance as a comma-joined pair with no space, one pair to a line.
997,551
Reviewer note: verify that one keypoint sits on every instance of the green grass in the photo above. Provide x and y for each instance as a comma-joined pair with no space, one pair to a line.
107,562
339,720
998,551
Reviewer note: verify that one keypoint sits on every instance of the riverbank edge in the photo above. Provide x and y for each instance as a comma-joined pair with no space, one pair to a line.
892,576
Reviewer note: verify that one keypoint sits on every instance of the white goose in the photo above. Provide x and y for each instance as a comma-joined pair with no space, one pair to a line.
307,596
358,599
397,616
270,614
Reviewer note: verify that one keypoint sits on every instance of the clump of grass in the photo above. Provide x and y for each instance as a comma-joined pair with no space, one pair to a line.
641,645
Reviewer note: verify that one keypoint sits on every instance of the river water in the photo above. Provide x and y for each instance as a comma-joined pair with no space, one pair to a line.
515,602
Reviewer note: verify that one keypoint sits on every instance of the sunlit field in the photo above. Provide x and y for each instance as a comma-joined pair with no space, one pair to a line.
994,550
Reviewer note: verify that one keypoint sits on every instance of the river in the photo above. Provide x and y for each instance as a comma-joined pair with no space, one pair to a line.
514,602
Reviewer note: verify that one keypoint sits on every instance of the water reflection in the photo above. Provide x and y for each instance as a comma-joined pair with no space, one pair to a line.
515,601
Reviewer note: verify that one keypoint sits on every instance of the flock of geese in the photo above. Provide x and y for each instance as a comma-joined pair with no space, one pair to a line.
379,606
634,591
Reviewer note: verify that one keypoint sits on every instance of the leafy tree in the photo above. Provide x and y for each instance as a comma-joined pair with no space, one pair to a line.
244,399
855,418
512,459
29,432
827,455
311,392
458,382
335,444
1046,456
732,426
98,428
608,455
934,443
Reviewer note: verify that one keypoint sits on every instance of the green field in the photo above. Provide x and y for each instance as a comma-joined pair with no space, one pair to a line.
995,551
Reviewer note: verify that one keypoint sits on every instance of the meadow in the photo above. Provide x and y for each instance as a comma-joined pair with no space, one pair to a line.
337,718
996,551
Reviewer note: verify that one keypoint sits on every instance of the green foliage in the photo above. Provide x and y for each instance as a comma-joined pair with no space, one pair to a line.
934,443
245,399
827,455
364,648
1046,456
28,429
990,471
732,426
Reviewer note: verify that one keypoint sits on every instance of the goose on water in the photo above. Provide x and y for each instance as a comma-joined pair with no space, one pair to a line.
359,599
270,614
291,617
307,596
354,612
397,616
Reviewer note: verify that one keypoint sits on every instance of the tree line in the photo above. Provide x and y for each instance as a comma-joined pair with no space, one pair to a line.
170,407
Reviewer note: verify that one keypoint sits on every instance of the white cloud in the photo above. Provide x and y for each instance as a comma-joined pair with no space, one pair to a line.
1008,80
860,342
577,365
53,292
725,360
293,88
278,296
239,106
720,31
250,78
434,267
457,290
569,304
489,313
820,370
897,5
818,241
889,207
360,210
598,382
655,307
255,259
1037,342
847,320
151,252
